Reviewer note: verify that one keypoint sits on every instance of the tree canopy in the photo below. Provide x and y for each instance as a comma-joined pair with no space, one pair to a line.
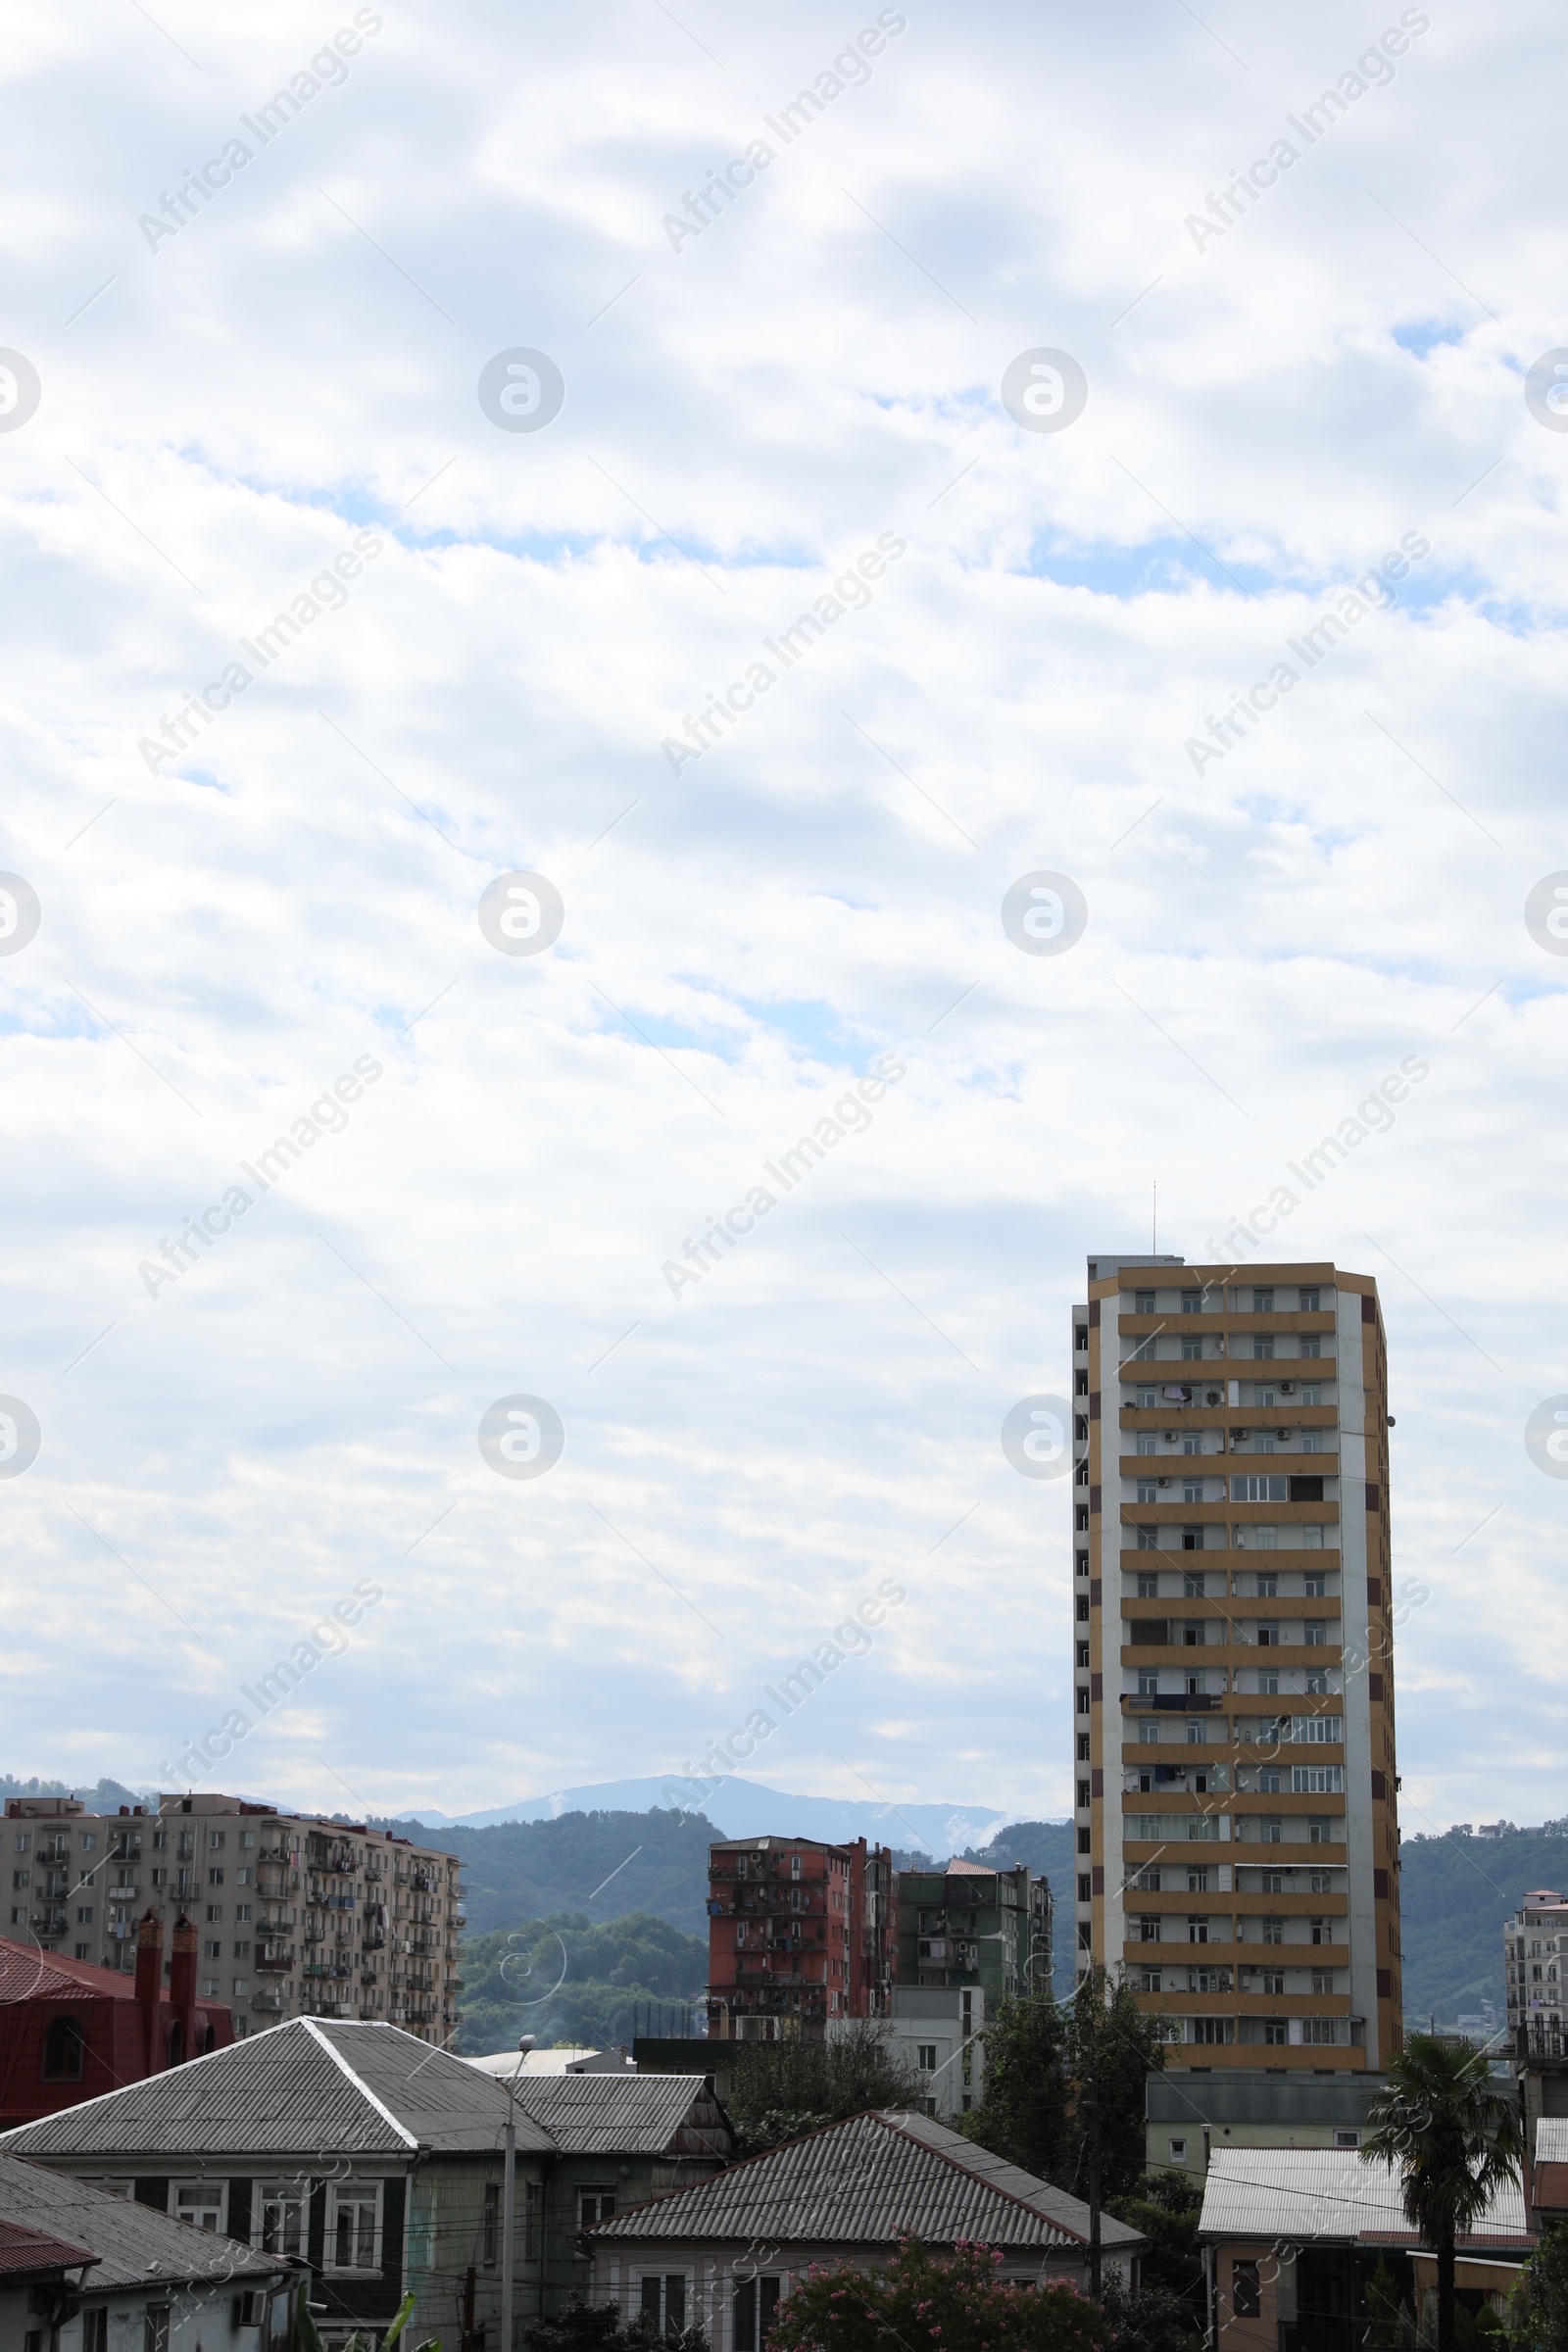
920,2302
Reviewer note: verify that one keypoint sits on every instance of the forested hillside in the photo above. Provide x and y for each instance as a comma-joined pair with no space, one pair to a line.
1454,1893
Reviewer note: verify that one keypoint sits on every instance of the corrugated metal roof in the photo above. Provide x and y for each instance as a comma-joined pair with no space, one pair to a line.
867,2182
24,2252
1314,2193
631,2115
135,2245
337,2089
26,1973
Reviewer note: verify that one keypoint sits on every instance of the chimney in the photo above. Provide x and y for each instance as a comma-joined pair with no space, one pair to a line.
182,1988
149,1986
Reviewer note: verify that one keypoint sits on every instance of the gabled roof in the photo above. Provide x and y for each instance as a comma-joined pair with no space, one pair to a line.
128,2244
1329,2194
867,2182
31,2253
334,2090
628,2114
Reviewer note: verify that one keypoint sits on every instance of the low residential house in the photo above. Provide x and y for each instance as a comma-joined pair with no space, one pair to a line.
378,2163
621,2140
1294,2237
82,2270
722,2254
355,2146
70,2029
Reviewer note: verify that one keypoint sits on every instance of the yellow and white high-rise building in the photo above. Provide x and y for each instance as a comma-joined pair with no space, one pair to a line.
1234,1761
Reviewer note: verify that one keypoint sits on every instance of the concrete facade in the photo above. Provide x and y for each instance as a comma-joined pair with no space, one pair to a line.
1234,1766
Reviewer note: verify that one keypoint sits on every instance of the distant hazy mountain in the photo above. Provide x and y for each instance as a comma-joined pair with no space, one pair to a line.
744,1809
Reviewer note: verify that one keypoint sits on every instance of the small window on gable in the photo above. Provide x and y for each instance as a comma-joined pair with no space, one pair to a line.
62,2051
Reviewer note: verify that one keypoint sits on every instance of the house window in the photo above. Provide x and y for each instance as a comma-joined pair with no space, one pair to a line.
1247,2294
155,2327
352,2226
492,2223
1178,2151
594,2205
926,2057
280,2210
663,2300
755,2306
95,2329
62,2051
200,2202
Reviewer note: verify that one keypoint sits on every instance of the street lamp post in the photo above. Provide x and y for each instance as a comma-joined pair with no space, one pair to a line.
508,2193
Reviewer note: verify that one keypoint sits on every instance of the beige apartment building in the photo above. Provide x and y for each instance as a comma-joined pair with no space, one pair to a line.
298,1916
1234,1747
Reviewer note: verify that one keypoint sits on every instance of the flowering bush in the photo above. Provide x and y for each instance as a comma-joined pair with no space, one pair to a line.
922,2303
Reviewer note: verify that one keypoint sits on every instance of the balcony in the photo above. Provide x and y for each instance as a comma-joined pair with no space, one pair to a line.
268,2001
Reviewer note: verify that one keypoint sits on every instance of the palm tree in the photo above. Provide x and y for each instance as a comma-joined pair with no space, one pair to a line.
1453,2139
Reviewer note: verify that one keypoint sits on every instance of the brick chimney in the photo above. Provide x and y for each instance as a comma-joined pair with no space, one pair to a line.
182,1985
150,1986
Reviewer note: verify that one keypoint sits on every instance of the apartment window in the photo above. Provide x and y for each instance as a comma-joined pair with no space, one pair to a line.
1262,1347
1318,1831
1083,1793
1268,1684
1149,1681
155,2327
1259,1486
926,2057
1263,1303
242,1915
85,1952
1322,1979
1273,1931
1142,1302
23,1842
1081,1610
1192,1490
1148,1733
1147,1880
352,2225
1308,1299
1247,2292
1318,1930
1085,1887
663,2300
1083,1653
1146,1443
247,1837
1271,1982
1276,2033
242,1949
1146,1929
20,1879
1314,1583
1148,1539
1192,1537
1317,1780
83,1918
212,1948
1198,1878
1195,1584
279,2224
1083,1747
214,1838
242,1986
1146,1397
1080,1336
1192,1348
1271,1830
210,1989
1216,2029
1149,1584
1148,1490
200,2202
89,1841
214,1877
1149,1979
1311,1345
214,1912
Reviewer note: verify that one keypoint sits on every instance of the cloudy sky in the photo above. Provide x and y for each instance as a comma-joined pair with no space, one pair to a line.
303,368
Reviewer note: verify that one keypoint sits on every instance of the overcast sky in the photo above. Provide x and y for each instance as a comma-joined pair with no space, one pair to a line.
1281,389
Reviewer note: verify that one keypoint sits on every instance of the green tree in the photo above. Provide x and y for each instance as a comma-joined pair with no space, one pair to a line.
920,2302
1149,2320
1167,2208
584,2327
1454,2141
1021,2113
1537,2309
1113,2046
781,2089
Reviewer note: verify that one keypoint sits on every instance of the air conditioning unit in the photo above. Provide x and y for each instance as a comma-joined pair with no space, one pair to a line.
1287,1387
1164,1482
1213,1397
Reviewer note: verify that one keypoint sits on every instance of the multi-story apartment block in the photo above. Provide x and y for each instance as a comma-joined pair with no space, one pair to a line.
1233,1671
297,1916
800,1935
1535,1969
966,1923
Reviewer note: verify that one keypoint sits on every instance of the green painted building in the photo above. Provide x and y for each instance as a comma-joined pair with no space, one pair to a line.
965,1923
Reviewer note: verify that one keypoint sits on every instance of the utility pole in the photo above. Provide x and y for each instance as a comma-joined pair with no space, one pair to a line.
1092,2103
509,2195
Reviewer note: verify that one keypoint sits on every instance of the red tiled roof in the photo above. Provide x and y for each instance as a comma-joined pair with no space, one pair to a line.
27,1972
24,2251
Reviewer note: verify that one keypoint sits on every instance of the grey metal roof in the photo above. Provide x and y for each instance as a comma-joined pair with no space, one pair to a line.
135,2245
630,2115
867,2182
332,2089
1327,2193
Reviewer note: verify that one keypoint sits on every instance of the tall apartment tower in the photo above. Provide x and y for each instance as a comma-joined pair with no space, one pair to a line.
1234,1751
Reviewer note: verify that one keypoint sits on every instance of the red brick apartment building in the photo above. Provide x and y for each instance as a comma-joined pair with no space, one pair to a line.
798,1933
71,2031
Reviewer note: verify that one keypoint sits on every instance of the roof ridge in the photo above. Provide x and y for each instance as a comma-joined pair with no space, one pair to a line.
313,2027
884,2117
